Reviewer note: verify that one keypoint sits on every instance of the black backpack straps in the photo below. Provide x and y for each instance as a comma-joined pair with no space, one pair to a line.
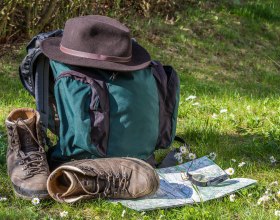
169,160
161,78
42,89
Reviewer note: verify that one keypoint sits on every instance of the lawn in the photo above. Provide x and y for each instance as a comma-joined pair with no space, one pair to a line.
229,58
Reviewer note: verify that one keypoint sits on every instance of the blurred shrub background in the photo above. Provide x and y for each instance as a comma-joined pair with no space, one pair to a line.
21,19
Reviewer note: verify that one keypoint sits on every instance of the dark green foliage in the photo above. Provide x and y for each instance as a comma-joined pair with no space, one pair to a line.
23,19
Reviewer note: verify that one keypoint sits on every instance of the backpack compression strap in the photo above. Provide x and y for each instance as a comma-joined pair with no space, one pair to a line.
42,89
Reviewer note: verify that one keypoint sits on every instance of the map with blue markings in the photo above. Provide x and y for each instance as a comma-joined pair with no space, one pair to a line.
177,190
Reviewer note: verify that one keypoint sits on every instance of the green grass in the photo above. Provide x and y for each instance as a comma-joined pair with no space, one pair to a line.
229,57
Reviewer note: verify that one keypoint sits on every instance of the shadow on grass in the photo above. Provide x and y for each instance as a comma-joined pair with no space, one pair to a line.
255,148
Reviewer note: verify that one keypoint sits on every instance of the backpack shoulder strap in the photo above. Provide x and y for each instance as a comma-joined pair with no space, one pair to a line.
34,73
42,88
161,78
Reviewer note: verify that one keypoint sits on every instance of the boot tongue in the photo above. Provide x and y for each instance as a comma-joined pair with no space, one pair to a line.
27,142
79,184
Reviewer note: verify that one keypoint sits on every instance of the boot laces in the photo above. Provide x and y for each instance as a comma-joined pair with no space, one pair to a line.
33,162
116,184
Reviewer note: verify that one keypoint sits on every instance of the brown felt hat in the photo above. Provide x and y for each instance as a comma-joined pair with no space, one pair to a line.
99,42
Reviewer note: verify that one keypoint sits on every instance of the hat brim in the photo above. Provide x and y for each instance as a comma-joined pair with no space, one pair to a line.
140,57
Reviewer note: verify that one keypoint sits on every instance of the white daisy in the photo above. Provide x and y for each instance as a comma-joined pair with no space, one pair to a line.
278,194
192,156
232,197
196,104
180,160
63,214
177,156
2,199
212,155
267,192
263,199
123,213
229,171
191,97
223,111
214,116
272,159
233,160
277,213
35,201
274,183
241,164
183,149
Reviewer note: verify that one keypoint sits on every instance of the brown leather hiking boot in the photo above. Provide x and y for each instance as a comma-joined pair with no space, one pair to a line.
118,178
26,158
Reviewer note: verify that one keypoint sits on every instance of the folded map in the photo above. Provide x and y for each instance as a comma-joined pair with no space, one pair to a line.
176,190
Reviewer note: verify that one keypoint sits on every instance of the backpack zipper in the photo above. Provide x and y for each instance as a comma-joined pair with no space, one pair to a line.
113,76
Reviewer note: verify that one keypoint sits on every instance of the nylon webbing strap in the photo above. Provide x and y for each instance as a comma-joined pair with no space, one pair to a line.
42,89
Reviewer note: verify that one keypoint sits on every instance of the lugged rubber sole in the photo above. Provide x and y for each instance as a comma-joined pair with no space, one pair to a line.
30,194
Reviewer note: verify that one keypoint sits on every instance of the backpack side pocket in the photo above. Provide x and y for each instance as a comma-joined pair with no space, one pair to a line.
168,91
98,110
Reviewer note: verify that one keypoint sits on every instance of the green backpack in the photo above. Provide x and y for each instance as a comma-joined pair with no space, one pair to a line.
108,114
104,113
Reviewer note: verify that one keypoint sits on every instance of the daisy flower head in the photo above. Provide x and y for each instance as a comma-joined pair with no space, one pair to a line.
214,116
177,156
263,199
241,164
278,194
35,201
274,183
223,111
212,155
192,156
123,213
267,192
196,104
63,214
277,213
3,199
232,197
229,171
180,160
191,97
183,149
272,159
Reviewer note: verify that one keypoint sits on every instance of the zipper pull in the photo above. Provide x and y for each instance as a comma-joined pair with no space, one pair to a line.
113,76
